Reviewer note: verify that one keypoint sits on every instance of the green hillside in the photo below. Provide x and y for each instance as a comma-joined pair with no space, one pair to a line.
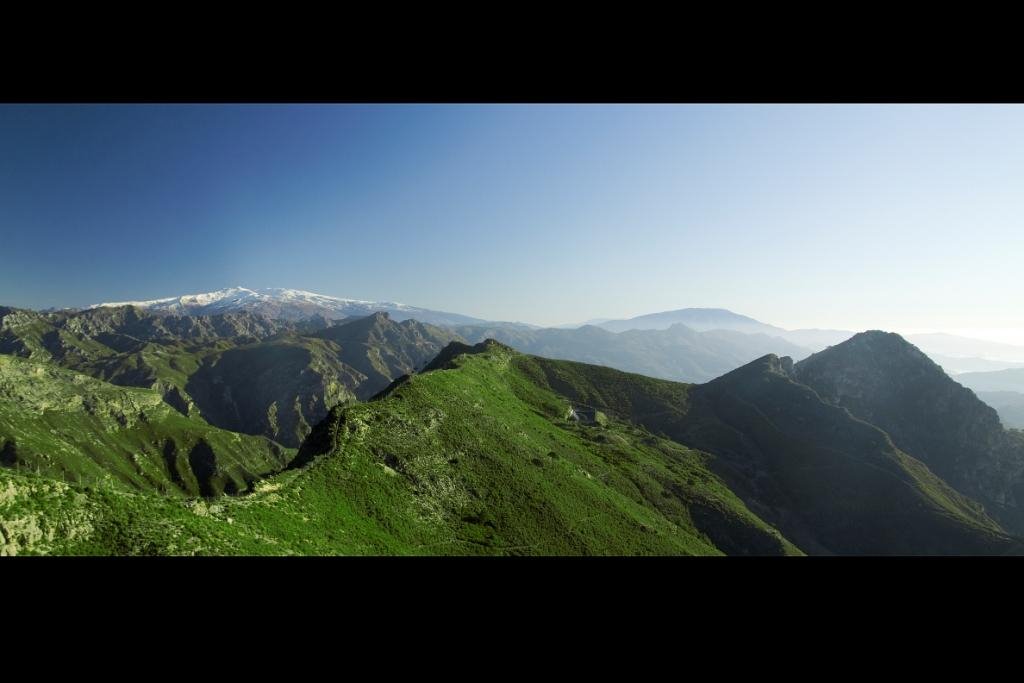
282,386
79,429
476,458
477,454
830,482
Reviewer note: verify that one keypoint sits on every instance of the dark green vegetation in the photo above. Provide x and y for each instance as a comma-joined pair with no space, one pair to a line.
882,379
830,482
473,458
239,371
78,429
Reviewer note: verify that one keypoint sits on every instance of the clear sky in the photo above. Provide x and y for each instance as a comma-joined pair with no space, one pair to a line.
895,217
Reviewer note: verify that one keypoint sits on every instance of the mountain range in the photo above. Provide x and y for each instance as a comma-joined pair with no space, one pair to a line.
147,430
699,319
690,345
240,371
1000,380
677,352
957,354
728,340
287,304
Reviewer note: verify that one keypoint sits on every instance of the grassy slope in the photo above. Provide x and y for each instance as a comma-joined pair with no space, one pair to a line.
79,429
829,481
475,459
657,404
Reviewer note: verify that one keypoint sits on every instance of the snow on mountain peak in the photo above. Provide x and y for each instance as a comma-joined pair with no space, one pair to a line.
285,303
234,294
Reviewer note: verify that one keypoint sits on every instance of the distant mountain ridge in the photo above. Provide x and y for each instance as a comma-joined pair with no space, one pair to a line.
960,347
708,319
1001,389
954,353
1009,405
698,319
656,344
288,304
958,365
1000,380
678,353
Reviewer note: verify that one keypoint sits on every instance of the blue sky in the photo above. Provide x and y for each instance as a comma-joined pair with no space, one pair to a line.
895,217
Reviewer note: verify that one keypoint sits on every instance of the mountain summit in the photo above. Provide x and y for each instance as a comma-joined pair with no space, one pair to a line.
885,380
699,319
289,304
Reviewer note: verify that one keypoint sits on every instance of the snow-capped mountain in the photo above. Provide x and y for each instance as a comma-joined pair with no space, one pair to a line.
289,304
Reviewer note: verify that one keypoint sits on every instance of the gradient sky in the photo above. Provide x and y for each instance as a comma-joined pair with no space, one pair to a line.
905,218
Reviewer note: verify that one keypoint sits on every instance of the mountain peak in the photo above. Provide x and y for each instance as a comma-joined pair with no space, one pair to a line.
445,359
765,366
873,364
876,338
883,379
872,349
354,329
288,304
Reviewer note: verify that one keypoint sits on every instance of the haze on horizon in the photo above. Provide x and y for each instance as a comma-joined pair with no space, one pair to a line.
905,218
